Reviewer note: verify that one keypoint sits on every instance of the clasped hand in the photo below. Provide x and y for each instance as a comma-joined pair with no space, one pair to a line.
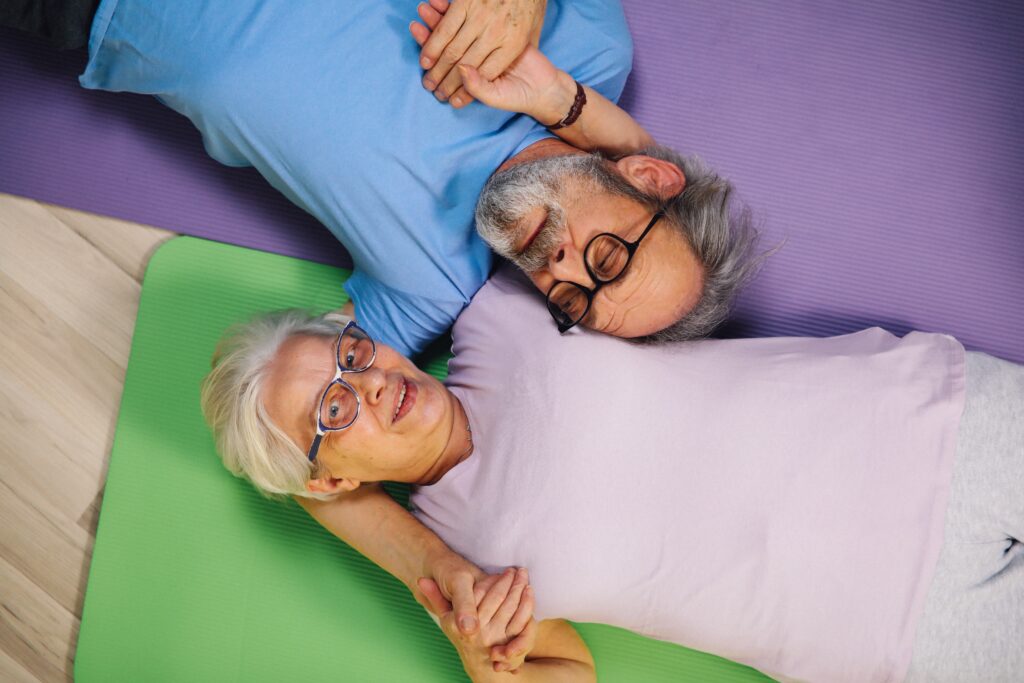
505,629
482,34
531,84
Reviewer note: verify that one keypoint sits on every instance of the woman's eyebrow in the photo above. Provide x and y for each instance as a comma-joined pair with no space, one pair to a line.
315,400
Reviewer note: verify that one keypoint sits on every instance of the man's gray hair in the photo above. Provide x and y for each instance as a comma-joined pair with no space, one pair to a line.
249,443
722,236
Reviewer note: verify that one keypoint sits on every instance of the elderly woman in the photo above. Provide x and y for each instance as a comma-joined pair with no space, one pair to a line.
781,502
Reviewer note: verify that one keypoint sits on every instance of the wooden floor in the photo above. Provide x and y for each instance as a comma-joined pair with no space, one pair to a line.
69,291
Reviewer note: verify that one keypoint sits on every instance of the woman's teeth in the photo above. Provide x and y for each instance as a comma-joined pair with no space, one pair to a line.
401,399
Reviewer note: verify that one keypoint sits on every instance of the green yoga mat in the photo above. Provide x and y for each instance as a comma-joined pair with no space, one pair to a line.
195,577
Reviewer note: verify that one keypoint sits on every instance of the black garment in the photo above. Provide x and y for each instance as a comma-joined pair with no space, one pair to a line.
65,23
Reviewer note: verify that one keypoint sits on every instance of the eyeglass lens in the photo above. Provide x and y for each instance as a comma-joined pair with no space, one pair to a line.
355,351
568,302
339,407
607,257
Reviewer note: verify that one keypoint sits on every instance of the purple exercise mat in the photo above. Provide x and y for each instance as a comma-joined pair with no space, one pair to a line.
883,141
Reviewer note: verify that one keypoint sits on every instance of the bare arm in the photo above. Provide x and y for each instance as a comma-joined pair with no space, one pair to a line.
559,656
602,125
555,653
370,520
532,85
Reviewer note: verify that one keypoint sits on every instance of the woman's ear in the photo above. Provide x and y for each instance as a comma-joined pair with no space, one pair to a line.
331,485
653,176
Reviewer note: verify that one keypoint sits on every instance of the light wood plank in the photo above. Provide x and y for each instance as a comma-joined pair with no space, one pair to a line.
34,630
79,284
50,552
127,244
57,417
13,672
69,289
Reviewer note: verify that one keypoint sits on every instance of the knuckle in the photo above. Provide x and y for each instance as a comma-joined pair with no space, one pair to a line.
433,46
452,54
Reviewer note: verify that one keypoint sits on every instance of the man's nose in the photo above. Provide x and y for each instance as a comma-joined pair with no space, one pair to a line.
566,263
370,384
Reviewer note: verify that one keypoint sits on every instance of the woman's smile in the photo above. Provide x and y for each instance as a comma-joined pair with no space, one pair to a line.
405,399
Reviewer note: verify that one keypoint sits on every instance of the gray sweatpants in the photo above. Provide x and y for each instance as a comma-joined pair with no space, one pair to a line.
972,630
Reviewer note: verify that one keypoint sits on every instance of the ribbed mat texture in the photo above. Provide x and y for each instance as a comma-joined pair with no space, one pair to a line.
195,577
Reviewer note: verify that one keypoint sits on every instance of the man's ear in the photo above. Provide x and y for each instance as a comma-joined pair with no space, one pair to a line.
653,176
331,485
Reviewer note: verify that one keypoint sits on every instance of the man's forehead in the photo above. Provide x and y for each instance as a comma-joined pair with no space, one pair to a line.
618,303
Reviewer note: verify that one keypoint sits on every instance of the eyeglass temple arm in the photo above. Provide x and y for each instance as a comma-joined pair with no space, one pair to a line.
315,447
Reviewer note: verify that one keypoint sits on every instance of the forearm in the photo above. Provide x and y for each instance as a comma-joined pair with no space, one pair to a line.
547,670
602,126
370,520
559,655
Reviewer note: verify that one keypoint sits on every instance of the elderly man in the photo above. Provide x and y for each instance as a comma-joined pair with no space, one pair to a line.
325,101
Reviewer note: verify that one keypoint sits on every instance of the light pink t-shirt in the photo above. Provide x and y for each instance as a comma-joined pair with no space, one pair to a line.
779,502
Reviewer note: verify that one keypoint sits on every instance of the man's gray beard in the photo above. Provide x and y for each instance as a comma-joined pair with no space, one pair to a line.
510,195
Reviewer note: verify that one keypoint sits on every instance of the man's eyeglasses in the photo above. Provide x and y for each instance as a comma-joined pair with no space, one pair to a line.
339,406
606,258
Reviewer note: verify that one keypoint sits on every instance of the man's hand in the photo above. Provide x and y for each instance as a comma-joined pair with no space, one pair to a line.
507,630
532,85
485,34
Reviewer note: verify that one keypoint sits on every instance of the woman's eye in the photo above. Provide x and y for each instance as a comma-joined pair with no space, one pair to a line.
350,359
333,409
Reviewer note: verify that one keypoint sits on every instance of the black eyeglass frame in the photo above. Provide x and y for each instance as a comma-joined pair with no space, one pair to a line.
321,428
631,247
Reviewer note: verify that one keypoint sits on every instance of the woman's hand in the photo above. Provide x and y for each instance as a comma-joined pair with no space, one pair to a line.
484,34
505,612
452,582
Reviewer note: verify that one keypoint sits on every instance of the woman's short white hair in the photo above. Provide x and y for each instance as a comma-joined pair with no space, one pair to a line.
249,443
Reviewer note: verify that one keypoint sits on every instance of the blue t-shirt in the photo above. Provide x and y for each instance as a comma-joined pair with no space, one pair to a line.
324,100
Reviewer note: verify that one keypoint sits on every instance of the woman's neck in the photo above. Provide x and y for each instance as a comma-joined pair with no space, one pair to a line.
458,448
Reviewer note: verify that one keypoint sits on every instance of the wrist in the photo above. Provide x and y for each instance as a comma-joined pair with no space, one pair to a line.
477,663
440,561
557,101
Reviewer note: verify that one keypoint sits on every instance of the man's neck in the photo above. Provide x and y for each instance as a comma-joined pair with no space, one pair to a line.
548,147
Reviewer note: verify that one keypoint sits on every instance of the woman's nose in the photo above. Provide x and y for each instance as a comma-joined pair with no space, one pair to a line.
370,384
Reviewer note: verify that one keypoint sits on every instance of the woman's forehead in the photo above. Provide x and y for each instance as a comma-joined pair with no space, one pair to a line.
297,376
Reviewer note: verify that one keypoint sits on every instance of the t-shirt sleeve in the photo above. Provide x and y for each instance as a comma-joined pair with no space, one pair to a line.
601,54
175,53
403,321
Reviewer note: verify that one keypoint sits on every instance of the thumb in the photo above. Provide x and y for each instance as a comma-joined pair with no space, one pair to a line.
464,604
436,601
476,85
